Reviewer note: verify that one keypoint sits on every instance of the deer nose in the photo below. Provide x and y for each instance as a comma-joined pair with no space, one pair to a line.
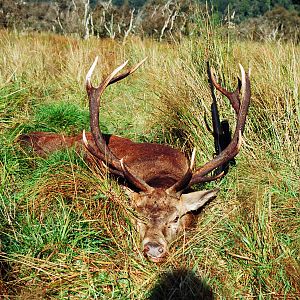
153,249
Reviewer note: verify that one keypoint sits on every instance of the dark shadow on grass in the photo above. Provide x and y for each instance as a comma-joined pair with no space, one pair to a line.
5,276
181,285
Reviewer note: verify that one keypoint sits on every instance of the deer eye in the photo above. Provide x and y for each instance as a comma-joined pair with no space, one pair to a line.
175,220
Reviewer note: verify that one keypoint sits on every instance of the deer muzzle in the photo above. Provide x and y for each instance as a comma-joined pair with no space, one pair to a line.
155,251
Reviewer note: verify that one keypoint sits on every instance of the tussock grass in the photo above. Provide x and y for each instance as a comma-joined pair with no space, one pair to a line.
66,230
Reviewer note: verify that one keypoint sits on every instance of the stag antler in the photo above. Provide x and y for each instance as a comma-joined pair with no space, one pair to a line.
241,107
102,151
233,148
181,184
233,97
118,166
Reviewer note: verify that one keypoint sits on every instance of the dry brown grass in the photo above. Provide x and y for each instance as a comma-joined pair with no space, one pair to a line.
66,230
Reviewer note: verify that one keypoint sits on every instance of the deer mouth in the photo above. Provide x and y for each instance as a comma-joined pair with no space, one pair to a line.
157,259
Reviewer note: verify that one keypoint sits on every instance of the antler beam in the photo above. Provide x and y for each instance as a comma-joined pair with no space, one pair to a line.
241,108
102,151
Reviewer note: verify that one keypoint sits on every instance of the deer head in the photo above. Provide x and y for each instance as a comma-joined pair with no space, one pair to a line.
163,208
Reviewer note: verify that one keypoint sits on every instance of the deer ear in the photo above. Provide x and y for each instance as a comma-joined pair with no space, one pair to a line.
196,200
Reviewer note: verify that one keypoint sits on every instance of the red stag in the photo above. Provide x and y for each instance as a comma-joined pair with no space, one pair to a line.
158,175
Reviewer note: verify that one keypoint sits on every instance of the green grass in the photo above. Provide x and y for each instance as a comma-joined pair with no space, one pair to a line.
65,229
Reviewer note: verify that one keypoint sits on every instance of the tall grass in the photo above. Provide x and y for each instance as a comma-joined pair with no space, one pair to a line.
66,230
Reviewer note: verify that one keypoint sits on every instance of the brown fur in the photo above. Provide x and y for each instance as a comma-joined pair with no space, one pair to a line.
159,173
159,165
161,215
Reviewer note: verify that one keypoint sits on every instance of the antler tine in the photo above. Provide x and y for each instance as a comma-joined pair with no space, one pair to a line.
232,96
98,155
102,150
134,179
94,95
234,146
90,72
246,93
181,184
130,71
193,156
116,78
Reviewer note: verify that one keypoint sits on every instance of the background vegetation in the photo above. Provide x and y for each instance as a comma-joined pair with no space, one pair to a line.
65,229
159,19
